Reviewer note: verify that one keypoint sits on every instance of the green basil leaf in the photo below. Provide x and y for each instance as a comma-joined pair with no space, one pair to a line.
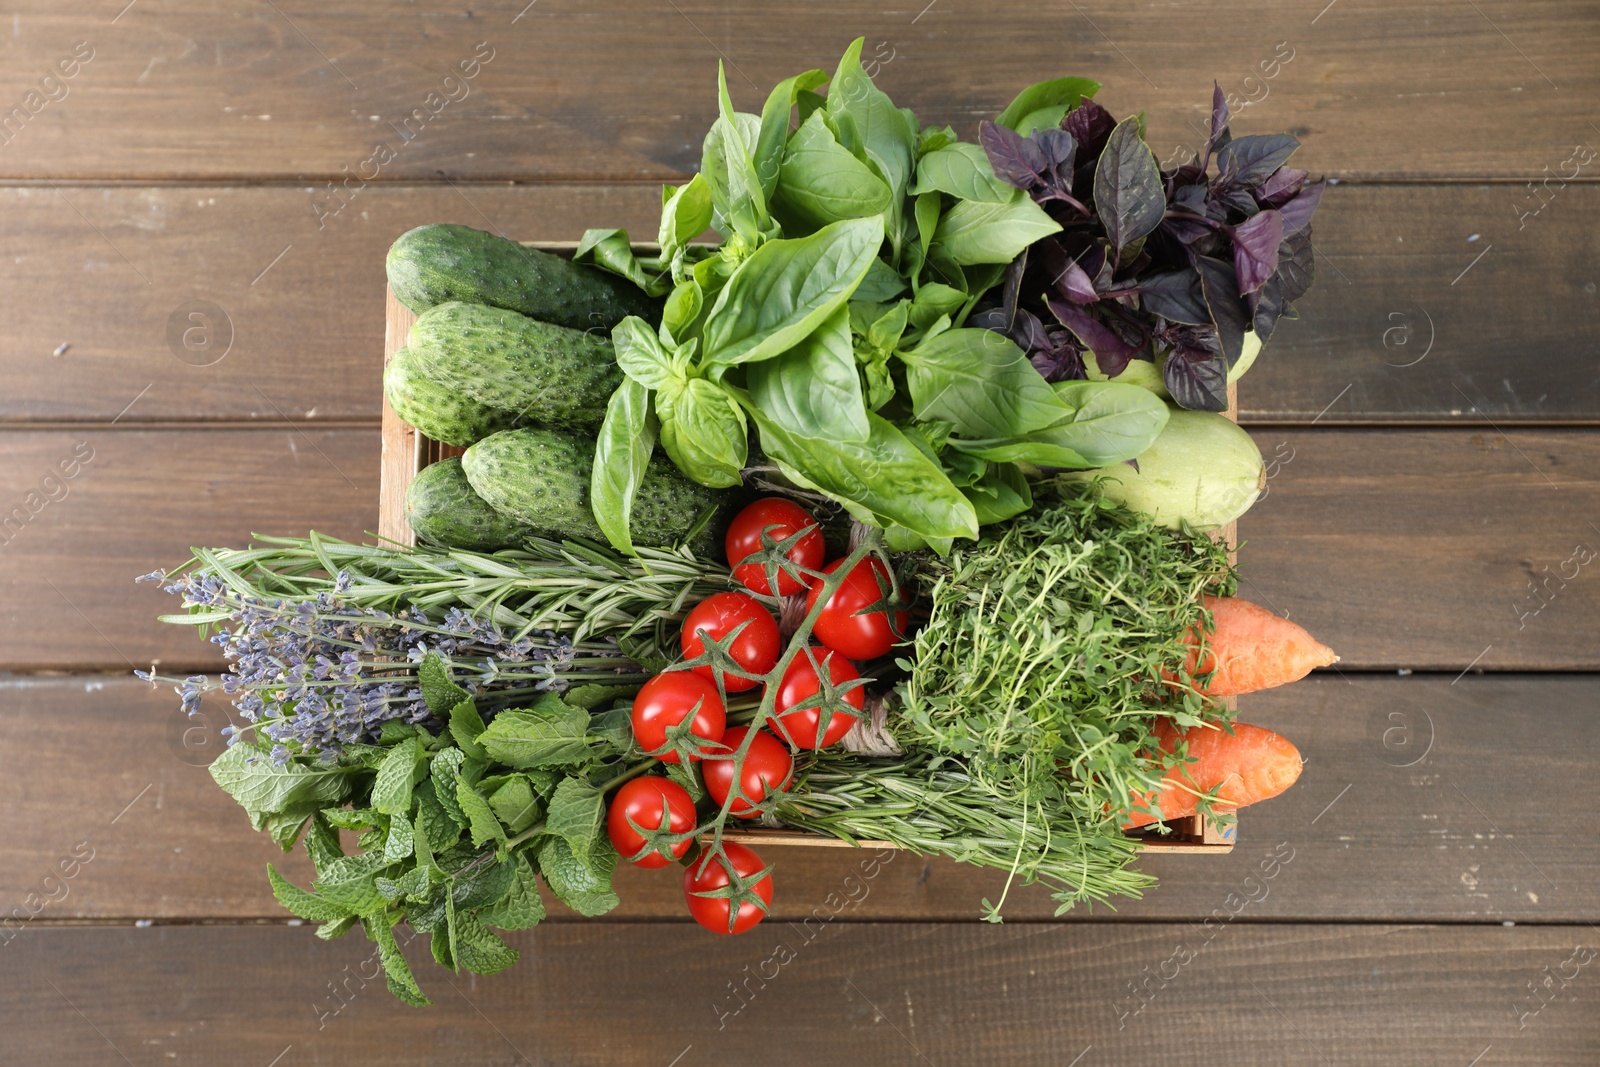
883,479
1111,422
1002,493
1066,93
821,182
872,128
813,389
786,289
775,125
640,353
962,170
882,283
725,164
934,138
1128,193
682,309
621,456
976,232
887,329
611,250
703,430
927,209
981,383
684,216
933,300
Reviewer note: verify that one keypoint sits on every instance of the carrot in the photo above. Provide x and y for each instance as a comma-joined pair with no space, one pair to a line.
1251,649
1247,766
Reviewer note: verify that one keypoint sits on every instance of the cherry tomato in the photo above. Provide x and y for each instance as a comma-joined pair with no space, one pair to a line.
648,802
844,626
781,519
801,682
755,649
768,768
706,875
669,698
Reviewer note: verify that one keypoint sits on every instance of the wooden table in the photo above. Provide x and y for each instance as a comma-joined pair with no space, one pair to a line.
193,319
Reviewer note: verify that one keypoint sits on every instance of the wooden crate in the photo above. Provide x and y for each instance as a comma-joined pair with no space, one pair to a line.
405,452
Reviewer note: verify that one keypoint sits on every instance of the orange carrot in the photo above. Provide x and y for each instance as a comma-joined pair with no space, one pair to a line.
1251,648
1247,766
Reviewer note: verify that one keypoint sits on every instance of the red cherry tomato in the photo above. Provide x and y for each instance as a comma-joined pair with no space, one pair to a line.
707,875
669,698
845,626
768,768
781,519
647,803
756,647
801,682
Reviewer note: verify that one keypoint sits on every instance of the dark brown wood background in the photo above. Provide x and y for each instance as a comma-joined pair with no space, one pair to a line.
1430,419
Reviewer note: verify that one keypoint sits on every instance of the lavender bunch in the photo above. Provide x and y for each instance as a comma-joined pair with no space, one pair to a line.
314,674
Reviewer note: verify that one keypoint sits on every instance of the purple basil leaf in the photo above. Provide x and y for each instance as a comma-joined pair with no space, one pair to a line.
993,318
1297,211
1190,198
1233,198
1269,305
1197,379
1251,160
1175,296
1219,123
1281,187
1090,125
1255,249
1128,195
1013,287
1063,361
1296,266
1220,287
1059,149
1187,231
1110,351
1029,333
1015,159
1066,276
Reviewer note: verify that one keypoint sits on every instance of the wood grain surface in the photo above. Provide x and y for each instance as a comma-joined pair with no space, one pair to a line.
1407,323
1399,548
302,90
1393,800
622,994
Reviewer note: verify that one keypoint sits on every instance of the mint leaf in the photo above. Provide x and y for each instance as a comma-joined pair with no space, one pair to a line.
435,824
483,884
401,982
353,818
614,729
245,771
394,731
576,814
515,804
322,841
439,691
398,845
522,907
465,726
591,696
337,928
551,733
688,779
583,887
483,824
351,882
303,903
479,950
391,792
285,828
446,770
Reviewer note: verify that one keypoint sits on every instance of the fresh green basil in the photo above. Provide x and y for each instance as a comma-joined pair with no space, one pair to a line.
621,454
821,182
872,128
682,309
703,430
962,170
882,283
786,289
1043,104
881,480
640,353
981,383
738,204
775,125
813,389
1110,422
1000,494
933,300
685,214
611,250
976,232
886,330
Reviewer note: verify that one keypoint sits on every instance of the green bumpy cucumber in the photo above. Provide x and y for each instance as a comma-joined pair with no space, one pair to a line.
541,478
442,508
546,374
440,412
435,264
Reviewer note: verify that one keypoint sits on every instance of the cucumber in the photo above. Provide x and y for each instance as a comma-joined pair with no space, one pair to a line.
546,374
442,508
435,264
440,412
541,478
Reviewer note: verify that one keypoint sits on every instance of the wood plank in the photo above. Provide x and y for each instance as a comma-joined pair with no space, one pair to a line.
1283,996
308,91
1399,548
1434,799
1515,334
